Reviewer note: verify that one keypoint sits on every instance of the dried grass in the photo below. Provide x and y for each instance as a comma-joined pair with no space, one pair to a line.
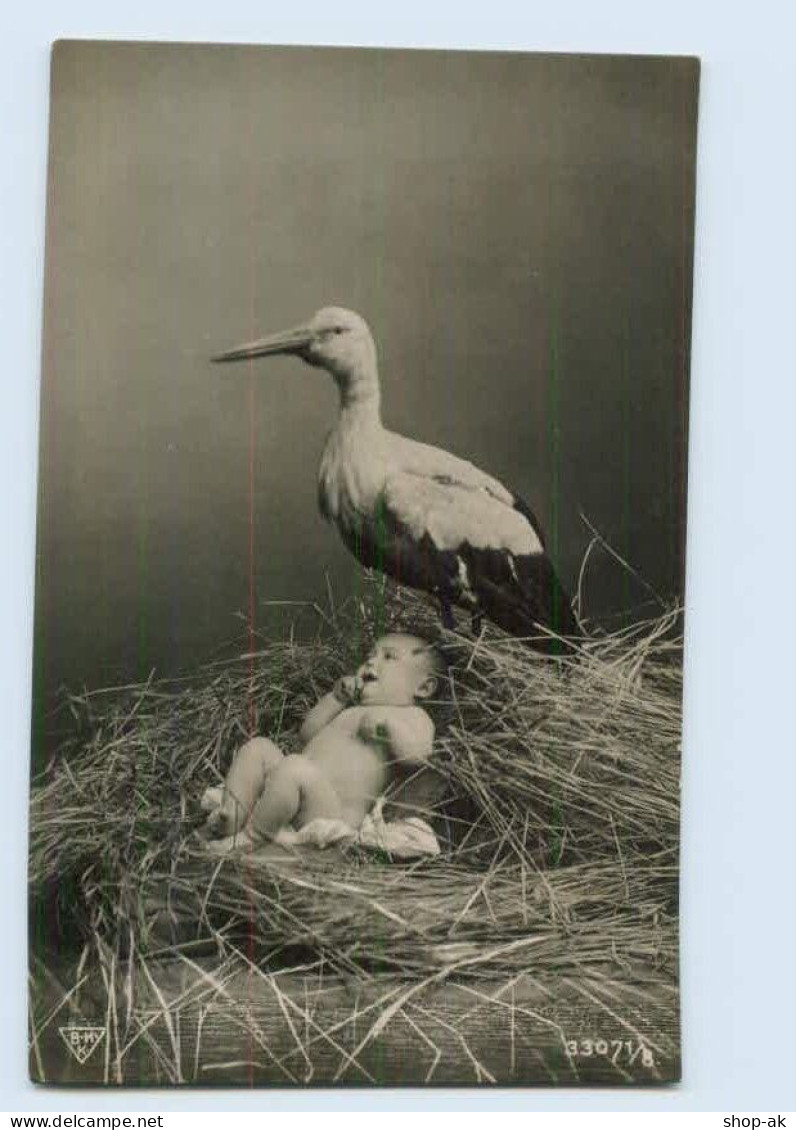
561,860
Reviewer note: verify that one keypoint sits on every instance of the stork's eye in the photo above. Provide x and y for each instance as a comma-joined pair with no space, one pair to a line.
338,330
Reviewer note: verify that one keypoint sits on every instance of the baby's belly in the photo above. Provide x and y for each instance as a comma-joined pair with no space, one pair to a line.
357,772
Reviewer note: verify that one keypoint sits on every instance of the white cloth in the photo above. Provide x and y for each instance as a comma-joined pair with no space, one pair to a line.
412,838
402,839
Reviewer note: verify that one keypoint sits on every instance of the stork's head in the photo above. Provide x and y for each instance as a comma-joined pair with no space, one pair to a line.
334,338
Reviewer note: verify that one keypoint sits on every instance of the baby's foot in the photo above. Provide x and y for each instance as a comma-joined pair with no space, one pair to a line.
230,844
220,823
212,798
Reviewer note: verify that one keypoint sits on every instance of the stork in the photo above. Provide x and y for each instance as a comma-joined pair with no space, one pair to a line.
428,519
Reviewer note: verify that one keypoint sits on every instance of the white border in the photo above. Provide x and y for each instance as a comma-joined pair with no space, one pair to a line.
739,781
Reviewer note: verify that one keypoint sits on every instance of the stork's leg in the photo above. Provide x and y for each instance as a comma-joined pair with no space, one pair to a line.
447,613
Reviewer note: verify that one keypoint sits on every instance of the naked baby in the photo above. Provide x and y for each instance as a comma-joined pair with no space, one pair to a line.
354,739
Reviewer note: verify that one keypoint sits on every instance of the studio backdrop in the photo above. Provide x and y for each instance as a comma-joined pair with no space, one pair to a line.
361,540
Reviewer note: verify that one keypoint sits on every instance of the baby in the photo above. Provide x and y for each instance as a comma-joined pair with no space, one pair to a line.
353,739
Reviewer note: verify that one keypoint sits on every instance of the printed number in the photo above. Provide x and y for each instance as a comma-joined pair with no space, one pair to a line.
619,1051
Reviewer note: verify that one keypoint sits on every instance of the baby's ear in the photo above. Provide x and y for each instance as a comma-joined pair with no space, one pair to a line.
427,687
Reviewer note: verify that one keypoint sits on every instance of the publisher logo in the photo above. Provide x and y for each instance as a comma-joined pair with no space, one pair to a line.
81,1040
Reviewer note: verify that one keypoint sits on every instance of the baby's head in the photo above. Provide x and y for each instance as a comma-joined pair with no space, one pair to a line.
400,670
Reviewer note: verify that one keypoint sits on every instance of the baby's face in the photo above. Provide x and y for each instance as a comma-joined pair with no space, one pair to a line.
399,670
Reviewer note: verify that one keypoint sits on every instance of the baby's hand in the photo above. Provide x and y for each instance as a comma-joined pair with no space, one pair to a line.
348,690
372,728
405,734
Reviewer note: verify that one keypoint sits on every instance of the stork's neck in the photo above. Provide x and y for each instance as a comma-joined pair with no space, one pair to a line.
360,395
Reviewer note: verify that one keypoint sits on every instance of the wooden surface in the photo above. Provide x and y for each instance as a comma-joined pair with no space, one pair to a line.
201,1022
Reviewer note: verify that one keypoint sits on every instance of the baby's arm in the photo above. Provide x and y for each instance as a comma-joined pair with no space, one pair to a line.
343,694
407,733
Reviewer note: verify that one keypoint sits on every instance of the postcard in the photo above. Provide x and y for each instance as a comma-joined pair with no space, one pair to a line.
360,568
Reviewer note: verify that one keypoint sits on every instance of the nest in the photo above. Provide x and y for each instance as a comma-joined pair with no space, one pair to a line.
559,820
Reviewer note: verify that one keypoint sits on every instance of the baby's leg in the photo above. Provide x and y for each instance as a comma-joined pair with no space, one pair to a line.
295,790
244,784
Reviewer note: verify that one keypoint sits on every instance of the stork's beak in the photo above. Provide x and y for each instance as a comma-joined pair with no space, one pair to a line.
286,341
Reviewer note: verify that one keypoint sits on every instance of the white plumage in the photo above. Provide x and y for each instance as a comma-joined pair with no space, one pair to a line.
425,517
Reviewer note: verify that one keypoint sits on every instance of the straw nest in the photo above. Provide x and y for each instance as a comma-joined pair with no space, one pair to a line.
558,818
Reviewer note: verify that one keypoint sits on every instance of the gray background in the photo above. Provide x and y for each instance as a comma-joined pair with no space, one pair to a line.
737,929
517,231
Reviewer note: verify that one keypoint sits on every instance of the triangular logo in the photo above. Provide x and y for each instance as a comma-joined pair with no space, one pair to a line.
81,1040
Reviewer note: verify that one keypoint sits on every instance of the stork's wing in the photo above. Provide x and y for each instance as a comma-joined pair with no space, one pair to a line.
434,464
458,540
454,513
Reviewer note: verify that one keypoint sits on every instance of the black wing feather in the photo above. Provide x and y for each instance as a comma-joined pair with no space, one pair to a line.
523,599
522,506
519,593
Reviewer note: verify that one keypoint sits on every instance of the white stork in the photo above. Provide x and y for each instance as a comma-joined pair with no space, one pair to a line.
428,519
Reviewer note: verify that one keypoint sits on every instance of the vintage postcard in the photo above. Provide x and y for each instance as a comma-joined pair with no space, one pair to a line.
361,540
